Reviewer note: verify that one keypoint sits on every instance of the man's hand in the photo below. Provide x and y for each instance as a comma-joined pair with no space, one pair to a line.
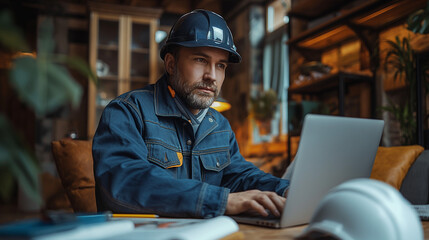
255,200
286,193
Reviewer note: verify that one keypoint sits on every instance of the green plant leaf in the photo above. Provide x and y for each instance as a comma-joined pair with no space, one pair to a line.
78,64
10,35
413,23
45,40
425,25
62,87
18,162
27,175
23,77
7,184
418,21
400,56
43,85
26,77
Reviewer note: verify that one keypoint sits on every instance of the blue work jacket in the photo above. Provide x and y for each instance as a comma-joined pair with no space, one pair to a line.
147,159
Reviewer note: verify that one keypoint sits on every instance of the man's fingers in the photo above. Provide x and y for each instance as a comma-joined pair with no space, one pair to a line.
278,201
256,201
256,206
267,202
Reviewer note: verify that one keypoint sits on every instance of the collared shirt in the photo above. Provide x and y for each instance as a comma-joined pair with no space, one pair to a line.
196,119
148,159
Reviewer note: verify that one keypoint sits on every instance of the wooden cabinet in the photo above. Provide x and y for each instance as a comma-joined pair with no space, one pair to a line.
123,53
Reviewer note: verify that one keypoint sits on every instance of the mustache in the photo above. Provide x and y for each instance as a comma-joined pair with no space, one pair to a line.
205,85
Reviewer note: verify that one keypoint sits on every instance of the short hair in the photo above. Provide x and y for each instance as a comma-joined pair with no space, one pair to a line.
174,50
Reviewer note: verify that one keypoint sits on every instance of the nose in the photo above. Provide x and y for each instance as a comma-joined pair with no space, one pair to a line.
210,72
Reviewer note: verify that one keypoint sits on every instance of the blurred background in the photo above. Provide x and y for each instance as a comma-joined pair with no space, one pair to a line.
62,61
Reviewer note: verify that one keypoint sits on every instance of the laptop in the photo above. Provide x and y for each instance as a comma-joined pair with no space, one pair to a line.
332,150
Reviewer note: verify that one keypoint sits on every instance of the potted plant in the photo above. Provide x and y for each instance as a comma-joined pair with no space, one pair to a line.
263,107
42,82
400,57
418,22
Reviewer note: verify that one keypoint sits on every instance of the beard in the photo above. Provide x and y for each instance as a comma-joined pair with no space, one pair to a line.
193,99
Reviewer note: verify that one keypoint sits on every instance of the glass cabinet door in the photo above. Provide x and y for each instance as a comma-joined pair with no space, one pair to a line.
123,52
140,51
107,64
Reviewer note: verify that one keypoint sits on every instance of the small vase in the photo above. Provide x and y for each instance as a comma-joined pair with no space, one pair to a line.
264,127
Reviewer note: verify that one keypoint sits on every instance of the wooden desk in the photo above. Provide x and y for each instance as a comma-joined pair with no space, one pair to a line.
256,233
250,232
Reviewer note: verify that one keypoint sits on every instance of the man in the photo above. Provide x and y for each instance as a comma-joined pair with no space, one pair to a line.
162,150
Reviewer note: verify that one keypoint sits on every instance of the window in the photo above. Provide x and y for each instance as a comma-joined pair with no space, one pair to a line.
277,14
275,74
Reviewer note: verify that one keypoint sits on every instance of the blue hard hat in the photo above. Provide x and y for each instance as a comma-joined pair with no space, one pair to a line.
201,28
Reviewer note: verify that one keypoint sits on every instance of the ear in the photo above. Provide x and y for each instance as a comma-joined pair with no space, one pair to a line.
169,63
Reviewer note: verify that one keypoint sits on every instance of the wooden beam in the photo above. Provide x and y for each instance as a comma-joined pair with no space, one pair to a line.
166,3
129,10
232,13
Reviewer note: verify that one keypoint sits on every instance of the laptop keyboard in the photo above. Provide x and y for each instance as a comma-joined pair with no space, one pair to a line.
423,211
257,215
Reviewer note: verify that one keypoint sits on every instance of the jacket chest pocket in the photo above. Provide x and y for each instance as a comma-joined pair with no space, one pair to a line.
212,166
164,157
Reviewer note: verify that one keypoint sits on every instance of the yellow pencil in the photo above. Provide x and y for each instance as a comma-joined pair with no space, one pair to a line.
126,215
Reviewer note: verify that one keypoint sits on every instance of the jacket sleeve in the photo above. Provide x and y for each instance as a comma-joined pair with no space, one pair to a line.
242,175
127,182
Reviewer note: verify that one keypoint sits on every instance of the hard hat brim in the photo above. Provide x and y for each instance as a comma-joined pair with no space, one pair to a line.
234,57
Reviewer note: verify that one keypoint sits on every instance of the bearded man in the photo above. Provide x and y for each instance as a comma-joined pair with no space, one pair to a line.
163,150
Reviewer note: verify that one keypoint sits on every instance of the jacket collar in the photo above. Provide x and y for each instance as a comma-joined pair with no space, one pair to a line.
164,102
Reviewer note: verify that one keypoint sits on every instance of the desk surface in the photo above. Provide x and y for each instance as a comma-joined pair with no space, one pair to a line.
250,232
255,233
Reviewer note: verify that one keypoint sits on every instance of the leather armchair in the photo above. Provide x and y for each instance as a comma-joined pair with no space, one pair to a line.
74,162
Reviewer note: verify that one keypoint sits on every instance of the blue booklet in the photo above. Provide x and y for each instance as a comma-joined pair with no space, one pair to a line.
104,227
28,229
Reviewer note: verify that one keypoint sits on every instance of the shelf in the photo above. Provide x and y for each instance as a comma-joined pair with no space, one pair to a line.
108,47
372,15
140,50
329,38
108,77
140,79
328,82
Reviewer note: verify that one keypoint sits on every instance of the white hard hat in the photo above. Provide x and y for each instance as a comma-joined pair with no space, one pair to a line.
364,209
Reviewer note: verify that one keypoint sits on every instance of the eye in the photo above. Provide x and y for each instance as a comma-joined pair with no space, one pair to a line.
201,60
221,65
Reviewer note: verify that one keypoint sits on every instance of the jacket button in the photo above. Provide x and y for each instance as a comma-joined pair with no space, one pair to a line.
217,164
189,142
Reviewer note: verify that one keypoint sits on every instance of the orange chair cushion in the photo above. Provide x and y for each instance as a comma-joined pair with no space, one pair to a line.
391,164
74,163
